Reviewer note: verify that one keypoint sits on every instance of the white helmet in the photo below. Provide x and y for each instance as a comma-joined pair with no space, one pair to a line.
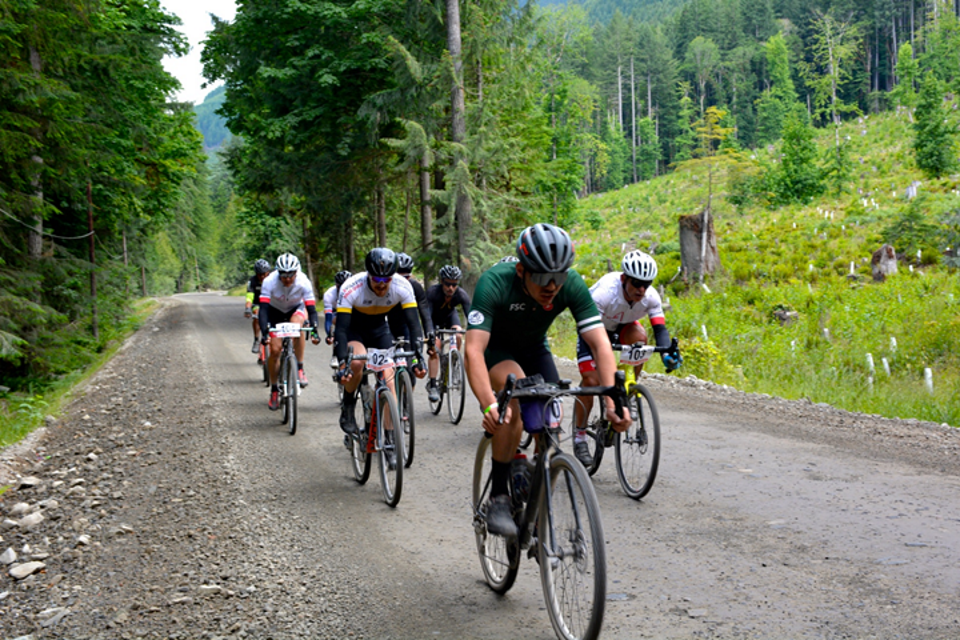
640,265
288,263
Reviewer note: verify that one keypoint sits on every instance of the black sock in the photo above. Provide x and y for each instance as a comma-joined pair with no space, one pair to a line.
299,366
274,387
500,477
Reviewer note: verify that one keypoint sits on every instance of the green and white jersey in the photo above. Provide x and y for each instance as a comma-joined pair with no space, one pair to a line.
514,320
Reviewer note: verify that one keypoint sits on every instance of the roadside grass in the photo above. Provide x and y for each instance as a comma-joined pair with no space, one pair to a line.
811,259
20,413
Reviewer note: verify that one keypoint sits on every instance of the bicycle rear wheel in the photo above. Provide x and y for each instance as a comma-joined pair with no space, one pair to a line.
391,476
407,418
573,566
456,387
499,557
638,449
357,443
292,392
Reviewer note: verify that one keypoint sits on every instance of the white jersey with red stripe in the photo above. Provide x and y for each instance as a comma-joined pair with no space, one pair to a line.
615,310
330,299
356,295
287,298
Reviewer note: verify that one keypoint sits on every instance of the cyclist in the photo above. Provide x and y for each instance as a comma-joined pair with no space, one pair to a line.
330,304
365,299
513,306
442,301
398,326
286,296
623,298
261,269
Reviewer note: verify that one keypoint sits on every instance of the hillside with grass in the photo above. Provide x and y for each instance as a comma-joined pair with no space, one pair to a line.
811,259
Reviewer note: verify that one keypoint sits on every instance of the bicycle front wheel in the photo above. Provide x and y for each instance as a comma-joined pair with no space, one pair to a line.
499,558
407,419
572,553
264,365
292,391
391,447
638,449
456,387
284,383
357,443
441,378
595,428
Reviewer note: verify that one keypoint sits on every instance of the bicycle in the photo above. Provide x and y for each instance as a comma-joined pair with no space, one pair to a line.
378,404
452,379
404,386
288,380
557,514
638,449
264,355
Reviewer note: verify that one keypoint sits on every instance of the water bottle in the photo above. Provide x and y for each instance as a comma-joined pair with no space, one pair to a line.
366,396
521,478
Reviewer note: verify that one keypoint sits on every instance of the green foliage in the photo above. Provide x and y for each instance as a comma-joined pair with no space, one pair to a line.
211,124
912,232
934,143
797,257
798,178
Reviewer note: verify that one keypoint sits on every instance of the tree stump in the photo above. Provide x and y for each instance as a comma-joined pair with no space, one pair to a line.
883,263
691,235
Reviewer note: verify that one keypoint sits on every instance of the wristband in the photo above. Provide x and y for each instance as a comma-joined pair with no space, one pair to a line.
492,406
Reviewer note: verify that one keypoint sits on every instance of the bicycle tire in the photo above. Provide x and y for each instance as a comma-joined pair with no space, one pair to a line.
283,383
391,480
265,365
638,451
293,392
456,389
595,427
436,406
499,558
357,443
573,569
407,417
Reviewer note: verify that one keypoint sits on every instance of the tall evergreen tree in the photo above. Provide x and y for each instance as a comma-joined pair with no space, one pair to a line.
935,142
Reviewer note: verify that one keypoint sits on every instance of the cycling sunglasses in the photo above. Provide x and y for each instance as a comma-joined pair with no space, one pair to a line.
452,285
641,284
287,274
544,279
381,279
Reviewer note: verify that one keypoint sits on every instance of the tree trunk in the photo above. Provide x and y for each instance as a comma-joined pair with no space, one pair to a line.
463,207
93,265
633,119
620,96
35,234
349,252
381,211
698,246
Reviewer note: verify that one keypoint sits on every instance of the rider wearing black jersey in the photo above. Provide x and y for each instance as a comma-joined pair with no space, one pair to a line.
513,306
261,270
443,299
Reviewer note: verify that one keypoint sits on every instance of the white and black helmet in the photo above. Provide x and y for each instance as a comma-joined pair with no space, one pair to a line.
545,248
640,265
450,272
508,259
288,263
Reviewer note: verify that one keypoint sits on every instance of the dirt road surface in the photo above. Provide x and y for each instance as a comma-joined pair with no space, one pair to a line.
173,504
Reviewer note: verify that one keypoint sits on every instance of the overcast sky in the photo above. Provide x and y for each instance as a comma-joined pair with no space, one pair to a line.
195,15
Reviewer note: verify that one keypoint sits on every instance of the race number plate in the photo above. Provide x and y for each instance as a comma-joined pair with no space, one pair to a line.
286,330
380,359
637,354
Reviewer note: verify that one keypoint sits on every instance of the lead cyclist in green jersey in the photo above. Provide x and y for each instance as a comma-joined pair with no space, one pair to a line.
513,306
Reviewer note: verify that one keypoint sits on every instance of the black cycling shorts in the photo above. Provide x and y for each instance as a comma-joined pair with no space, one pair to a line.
372,337
535,359
275,316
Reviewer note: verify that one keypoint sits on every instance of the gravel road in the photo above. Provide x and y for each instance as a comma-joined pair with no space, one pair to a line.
168,502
